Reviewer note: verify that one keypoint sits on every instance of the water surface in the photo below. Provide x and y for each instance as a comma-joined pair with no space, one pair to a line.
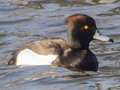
26,21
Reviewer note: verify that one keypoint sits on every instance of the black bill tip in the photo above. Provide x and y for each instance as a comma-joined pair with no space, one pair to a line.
111,40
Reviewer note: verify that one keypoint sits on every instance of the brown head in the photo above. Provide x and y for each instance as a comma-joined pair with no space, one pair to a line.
81,30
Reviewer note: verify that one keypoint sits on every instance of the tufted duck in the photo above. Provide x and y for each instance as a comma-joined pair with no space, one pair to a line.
73,52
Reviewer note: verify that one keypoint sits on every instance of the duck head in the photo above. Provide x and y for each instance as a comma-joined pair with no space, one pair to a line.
81,30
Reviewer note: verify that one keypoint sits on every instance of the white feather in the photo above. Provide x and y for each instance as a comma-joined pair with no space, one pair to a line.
28,57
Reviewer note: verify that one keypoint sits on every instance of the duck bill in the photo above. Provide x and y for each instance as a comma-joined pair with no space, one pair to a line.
100,36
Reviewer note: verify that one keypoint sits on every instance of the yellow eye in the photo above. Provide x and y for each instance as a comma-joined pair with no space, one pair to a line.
86,27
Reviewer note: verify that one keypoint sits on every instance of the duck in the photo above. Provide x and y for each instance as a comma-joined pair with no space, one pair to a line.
72,52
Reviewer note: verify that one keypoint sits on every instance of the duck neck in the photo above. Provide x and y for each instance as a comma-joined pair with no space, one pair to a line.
75,39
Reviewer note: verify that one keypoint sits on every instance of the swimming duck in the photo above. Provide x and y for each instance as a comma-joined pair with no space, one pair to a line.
73,52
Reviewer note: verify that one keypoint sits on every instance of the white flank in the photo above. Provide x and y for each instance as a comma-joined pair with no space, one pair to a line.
28,57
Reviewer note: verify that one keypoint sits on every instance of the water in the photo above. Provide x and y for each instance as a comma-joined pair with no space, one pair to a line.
26,21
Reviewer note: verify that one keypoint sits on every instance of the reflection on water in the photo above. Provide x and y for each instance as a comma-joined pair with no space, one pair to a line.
26,21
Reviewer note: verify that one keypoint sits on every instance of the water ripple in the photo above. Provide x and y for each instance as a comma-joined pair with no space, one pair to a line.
26,21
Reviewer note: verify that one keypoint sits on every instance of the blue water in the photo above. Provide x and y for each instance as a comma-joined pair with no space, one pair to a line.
26,21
